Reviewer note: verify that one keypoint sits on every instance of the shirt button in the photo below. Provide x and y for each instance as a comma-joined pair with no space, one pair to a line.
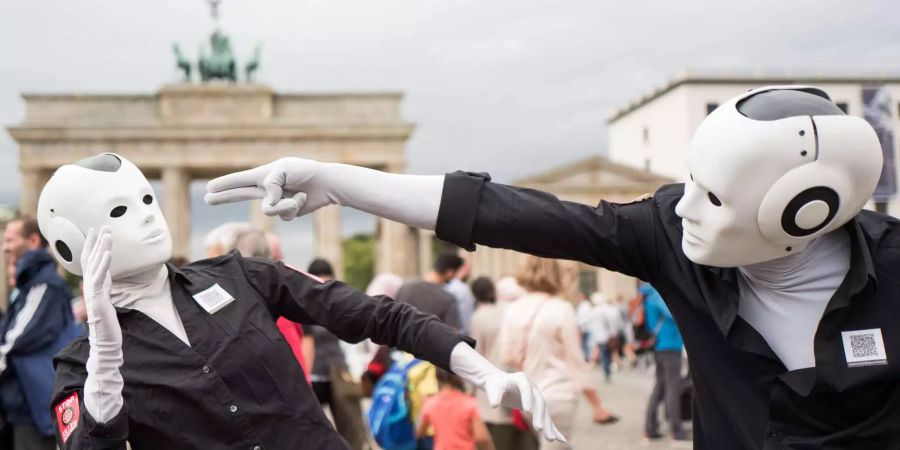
205,369
233,408
774,433
256,447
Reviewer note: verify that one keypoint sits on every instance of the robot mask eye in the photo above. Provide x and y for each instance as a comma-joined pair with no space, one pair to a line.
118,211
63,250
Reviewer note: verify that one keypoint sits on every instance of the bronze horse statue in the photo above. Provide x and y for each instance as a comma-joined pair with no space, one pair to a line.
220,63
183,64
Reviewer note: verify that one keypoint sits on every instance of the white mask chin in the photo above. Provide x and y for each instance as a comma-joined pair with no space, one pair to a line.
771,170
104,190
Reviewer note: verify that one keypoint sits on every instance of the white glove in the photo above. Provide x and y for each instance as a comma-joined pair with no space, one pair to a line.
103,386
510,389
293,186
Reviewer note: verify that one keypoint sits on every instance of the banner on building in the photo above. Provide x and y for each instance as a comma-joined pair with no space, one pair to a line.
877,111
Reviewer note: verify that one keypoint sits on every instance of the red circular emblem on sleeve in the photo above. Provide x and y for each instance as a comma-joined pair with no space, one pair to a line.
67,415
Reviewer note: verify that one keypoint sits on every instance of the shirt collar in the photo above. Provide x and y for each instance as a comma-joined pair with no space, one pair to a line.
862,267
176,273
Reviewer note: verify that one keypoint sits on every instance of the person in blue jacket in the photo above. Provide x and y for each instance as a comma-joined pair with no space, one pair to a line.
667,352
38,324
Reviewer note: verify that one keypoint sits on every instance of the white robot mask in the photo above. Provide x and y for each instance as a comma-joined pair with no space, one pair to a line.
104,190
771,170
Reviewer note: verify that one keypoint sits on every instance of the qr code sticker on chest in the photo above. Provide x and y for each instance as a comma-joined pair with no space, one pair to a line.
863,345
213,299
864,348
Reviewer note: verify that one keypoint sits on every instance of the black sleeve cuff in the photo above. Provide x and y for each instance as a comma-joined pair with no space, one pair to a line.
112,434
446,349
459,207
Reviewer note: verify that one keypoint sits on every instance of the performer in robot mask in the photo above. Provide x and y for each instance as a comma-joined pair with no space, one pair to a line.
765,259
191,357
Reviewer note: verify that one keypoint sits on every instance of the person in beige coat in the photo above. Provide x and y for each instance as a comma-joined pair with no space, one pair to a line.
540,336
485,328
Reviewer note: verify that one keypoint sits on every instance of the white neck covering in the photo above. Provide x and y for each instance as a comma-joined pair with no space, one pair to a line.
784,299
149,292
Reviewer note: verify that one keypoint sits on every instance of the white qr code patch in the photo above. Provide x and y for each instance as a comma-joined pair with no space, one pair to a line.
864,347
213,299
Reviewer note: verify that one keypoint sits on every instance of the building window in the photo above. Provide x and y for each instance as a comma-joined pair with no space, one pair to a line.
646,135
710,107
842,106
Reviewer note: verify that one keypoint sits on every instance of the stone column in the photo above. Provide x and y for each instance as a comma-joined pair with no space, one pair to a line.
258,219
176,185
426,257
396,249
33,181
329,244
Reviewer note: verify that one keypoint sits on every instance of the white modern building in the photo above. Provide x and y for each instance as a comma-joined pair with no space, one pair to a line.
652,133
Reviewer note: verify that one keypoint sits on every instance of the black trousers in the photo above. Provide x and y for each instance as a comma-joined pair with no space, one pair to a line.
668,388
26,437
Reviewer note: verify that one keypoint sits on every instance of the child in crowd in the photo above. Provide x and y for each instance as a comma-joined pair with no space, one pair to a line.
454,416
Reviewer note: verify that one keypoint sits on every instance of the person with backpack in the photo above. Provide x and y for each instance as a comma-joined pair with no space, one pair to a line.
606,327
454,416
667,351
391,417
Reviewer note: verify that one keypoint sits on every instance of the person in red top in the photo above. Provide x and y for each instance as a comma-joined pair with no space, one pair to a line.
454,416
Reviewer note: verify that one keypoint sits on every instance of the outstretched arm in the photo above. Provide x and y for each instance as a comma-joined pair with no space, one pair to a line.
463,208
353,316
293,187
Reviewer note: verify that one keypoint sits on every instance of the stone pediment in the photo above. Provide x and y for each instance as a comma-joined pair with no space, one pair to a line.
596,176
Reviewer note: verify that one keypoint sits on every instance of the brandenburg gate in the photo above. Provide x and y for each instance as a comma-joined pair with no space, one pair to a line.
199,131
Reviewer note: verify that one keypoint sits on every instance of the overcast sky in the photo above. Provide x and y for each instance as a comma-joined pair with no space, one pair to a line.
510,87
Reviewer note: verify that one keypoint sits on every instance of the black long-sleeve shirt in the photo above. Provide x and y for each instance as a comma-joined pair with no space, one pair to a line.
238,385
744,396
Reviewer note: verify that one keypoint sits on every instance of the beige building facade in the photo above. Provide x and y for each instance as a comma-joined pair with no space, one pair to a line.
653,132
186,132
588,182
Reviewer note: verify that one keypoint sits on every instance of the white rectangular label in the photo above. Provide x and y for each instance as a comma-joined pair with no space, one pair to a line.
213,299
864,347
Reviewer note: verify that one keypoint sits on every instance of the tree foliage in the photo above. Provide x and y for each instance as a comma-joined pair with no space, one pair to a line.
359,260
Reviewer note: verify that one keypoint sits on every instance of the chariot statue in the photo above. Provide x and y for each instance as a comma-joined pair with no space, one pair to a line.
216,61
220,64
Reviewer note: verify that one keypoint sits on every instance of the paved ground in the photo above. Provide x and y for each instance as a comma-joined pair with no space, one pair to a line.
626,396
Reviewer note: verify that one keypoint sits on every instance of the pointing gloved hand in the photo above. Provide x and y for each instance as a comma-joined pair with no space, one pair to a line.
291,187
103,386
514,390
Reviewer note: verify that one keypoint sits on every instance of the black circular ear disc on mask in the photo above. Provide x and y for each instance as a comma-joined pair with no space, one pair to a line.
806,207
64,251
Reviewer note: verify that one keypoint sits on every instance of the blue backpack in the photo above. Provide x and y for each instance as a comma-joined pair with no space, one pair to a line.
388,416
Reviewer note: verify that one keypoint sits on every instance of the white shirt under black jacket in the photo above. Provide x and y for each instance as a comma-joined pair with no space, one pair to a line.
785,298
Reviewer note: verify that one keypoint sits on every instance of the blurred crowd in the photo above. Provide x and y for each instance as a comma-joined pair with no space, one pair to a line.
532,321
